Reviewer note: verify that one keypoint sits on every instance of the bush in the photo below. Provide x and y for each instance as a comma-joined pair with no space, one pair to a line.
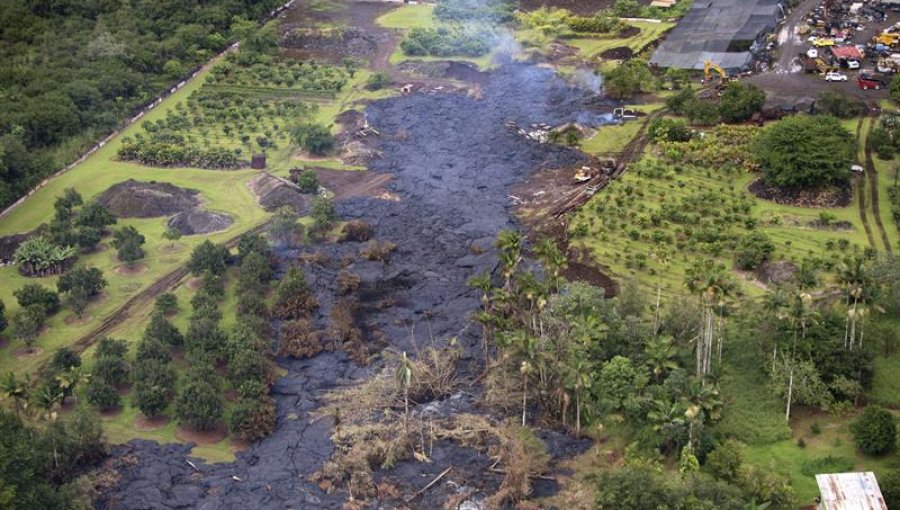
314,138
128,242
629,79
378,81
805,151
81,284
889,482
299,340
468,41
308,181
101,394
293,299
64,359
322,212
752,250
111,370
253,418
701,112
168,153
875,431
198,403
838,104
164,331
879,140
154,385
110,347
670,130
726,460
740,101
679,103
248,365
166,303
208,257
151,349
28,323
34,294
357,231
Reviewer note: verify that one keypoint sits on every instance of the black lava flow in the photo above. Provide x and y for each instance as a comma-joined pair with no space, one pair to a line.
453,162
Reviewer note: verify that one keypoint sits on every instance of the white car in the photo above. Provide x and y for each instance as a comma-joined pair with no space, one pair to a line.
812,53
852,64
833,76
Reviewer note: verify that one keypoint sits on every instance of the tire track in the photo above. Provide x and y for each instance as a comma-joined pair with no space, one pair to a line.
139,301
872,177
861,191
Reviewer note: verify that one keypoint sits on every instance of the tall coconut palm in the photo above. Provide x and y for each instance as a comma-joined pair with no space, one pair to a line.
17,389
857,286
553,259
509,242
712,286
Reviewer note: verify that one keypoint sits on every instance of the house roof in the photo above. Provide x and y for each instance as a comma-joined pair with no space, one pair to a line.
850,491
846,52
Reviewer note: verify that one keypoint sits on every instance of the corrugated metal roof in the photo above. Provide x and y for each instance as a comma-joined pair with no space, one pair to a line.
846,52
850,491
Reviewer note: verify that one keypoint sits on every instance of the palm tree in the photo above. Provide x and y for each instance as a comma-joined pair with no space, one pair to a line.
668,419
70,379
660,352
663,258
509,242
553,259
856,282
17,390
484,316
712,285
48,399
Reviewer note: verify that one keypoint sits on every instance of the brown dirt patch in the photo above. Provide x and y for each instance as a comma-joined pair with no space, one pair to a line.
204,437
135,199
803,197
578,271
141,422
620,53
348,183
124,270
100,248
629,31
231,395
238,445
193,283
74,320
779,272
25,353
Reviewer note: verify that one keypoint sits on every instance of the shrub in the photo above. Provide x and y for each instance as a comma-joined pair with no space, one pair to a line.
679,103
838,104
80,285
299,340
313,138
128,242
208,257
164,331
701,112
875,431
322,212
378,81
357,231
198,403
879,140
28,323
154,385
166,303
64,359
469,41
377,250
293,300
726,460
253,418
101,394
151,349
248,365
34,294
740,101
752,250
629,79
284,227
308,181
111,370
889,482
670,130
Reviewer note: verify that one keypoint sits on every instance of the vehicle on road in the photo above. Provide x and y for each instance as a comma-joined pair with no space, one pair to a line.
822,42
835,76
868,81
812,53
852,64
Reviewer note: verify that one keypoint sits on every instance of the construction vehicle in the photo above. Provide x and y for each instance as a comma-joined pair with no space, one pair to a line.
708,67
823,67
887,39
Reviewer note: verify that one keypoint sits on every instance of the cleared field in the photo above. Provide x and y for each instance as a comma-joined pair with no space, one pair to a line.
590,47
408,17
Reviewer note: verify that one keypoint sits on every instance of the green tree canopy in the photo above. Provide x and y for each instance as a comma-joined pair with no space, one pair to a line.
805,151
740,101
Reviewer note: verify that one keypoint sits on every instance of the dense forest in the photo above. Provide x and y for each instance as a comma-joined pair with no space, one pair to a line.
74,69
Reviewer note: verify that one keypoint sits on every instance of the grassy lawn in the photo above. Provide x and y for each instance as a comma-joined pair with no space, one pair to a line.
612,139
886,384
408,17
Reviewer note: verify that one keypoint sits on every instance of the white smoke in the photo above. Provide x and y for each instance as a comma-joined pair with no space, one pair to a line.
589,80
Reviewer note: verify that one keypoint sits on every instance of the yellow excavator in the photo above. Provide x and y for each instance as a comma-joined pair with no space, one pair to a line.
708,67
887,39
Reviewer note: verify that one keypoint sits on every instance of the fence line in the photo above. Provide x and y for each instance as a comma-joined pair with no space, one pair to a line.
142,111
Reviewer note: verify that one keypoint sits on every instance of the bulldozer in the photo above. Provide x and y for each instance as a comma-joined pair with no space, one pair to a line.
887,39
824,67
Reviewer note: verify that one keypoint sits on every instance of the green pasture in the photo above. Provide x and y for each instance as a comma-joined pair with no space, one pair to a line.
590,47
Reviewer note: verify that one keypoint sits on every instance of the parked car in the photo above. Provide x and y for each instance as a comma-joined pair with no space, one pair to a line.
852,64
812,53
867,81
835,76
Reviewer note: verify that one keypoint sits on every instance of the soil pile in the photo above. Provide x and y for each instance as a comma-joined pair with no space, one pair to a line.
450,161
136,199
780,272
8,246
274,193
198,221
803,197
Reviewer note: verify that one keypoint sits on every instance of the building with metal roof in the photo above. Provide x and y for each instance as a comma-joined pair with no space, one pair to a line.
850,491
722,31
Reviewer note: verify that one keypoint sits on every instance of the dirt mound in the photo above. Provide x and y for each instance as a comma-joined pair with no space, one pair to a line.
136,199
340,41
197,221
274,193
803,197
620,53
777,273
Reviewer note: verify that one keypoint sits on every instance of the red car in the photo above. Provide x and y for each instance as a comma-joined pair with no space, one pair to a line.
870,82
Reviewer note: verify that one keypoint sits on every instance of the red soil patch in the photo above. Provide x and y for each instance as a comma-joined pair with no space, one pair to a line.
238,445
25,353
124,270
74,320
141,422
193,283
207,437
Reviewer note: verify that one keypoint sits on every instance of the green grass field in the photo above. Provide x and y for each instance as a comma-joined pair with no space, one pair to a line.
590,47
408,17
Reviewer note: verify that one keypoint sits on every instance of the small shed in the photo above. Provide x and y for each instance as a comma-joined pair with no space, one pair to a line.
258,162
850,491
